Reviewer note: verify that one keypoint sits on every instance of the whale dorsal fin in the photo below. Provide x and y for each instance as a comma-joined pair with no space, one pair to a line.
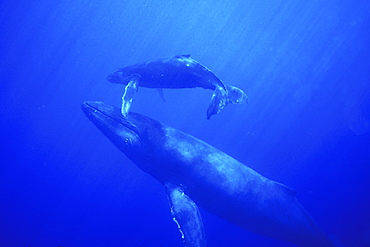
160,91
181,56
287,189
187,216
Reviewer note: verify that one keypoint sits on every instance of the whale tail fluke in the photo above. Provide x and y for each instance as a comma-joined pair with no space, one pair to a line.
236,95
221,98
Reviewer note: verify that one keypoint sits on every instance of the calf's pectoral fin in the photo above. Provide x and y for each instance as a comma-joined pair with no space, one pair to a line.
187,217
128,95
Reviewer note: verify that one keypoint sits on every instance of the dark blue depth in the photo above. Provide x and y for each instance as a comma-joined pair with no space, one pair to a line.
304,66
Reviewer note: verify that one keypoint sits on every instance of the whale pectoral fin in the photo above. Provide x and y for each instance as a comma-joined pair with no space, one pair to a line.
187,217
128,95
160,91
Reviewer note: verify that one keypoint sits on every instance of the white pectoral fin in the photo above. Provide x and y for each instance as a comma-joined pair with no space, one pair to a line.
128,95
187,217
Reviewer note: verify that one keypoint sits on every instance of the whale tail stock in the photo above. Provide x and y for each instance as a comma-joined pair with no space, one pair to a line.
221,98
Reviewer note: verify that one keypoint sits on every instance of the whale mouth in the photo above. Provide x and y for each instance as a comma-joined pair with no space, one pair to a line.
95,108
109,118
120,77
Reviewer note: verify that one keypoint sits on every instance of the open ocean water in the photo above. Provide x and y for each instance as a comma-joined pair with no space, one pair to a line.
305,66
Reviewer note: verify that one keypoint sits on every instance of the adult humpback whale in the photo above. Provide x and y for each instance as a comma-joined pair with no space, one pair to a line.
195,173
177,72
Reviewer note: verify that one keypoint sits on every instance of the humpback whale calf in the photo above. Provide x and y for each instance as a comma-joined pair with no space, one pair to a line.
196,174
177,72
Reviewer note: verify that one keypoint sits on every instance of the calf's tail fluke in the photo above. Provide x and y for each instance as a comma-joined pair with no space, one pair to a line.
221,98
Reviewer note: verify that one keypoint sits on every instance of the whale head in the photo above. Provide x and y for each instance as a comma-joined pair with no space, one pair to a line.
135,135
124,75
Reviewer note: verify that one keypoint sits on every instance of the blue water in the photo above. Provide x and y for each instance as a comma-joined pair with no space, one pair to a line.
303,64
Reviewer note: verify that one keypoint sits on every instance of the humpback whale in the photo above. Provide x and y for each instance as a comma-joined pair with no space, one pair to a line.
180,71
196,174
